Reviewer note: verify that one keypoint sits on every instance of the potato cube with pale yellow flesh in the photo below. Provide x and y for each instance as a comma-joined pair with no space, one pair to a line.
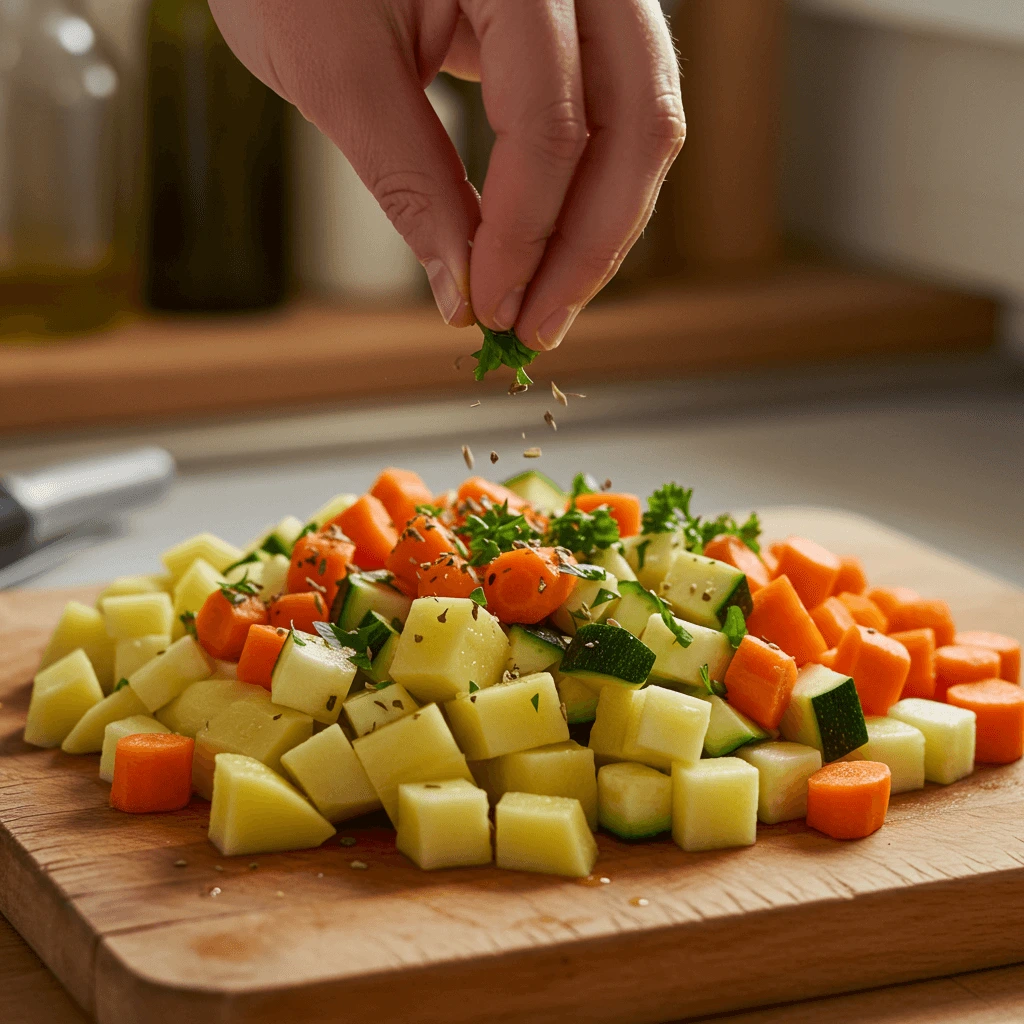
254,810
634,800
326,769
608,733
949,736
590,601
417,748
130,655
508,717
249,572
219,553
191,590
114,731
82,627
87,735
443,824
649,555
783,770
666,726
615,562
275,576
447,644
547,834
898,745
132,615
61,694
373,709
329,510
255,728
169,674
312,677
714,804
557,769
202,701
128,585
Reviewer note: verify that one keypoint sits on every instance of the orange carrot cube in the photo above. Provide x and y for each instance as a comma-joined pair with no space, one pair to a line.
260,653
915,614
849,799
728,548
878,664
956,663
400,491
812,569
920,645
865,612
1007,648
320,562
828,659
833,618
367,524
623,508
298,610
779,617
760,681
152,772
891,599
999,729
851,578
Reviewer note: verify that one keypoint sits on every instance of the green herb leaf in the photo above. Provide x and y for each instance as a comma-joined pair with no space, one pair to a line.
668,510
121,683
247,560
188,620
295,638
365,643
493,531
735,627
584,572
429,510
308,528
473,687
683,636
713,686
603,597
582,532
477,597
535,701
641,553
237,593
582,483
503,347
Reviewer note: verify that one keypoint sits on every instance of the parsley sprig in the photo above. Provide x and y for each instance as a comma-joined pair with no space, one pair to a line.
503,347
582,532
735,627
239,592
668,510
494,530
713,686
364,642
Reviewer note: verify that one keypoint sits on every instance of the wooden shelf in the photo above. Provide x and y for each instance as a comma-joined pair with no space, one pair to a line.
165,369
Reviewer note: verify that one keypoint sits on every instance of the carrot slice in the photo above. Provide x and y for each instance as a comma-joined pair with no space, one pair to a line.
833,618
320,562
780,618
851,578
728,548
760,681
955,663
422,542
1007,648
448,576
770,557
152,772
999,707
878,664
812,569
400,491
865,612
891,599
298,610
260,653
624,508
849,799
524,585
915,614
367,524
828,659
223,622
920,645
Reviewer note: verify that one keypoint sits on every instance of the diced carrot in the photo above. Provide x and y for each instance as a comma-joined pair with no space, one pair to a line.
849,799
1007,648
851,578
828,659
525,585
320,562
811,569
298,610
915,614
400,491
728,548
367,524
878,664
780,618
760,680
422,542
920,645
864,611
223,622
406,587
833,618
152,772
624,508
770,557
260,653
961,664
999,729
891,599
448,576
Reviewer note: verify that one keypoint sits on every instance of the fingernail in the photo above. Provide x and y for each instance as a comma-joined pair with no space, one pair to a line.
508,309
446,292
552,331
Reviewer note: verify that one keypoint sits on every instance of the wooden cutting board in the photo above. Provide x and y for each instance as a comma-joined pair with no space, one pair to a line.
305,936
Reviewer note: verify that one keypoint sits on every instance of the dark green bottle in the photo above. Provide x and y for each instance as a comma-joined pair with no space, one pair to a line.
215,170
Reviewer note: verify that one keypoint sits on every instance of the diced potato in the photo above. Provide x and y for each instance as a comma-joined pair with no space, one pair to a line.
195,585
254,810
130,655
608,733
447,644
418,748
135,615
508,717
649,555
326,769
275,576
372,709
332,509
590,601
548,834
666,726
116,730
443,824
783,769
251,572
714,804
87,735
615,562
202,701
219,553
169,674
634,801
82,627
61,694
949,736
225,670
557,769
898,745
123,585
312,677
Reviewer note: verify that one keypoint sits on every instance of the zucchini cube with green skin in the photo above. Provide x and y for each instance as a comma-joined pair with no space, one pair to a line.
580,700
649,555
373,709
219,553
130,655
665,726
615,562
714,804
201,702
254,810
824,712
363,592
783,769
590,601
949,736
557,769
443,824
702,590
898,745
540,491
191,590
312,677
61,695
447,644
634,801
122,585
533,649
418,748
326,769
636,605
729,729
279,539
604,655
169,674
332,509
508,717
82,627
547,834
87,735
117,730
683,664
135,615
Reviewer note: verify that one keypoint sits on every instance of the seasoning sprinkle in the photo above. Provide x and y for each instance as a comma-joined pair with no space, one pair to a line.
550,420
476,403
574,394
215,891
517,389
557,392
279,894
494,458
443,617
607,485
181,863
253,866
417,638
467,456
381,704
359,865
532,453
218,867
348,841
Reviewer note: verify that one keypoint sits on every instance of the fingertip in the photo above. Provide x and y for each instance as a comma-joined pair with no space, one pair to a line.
553,328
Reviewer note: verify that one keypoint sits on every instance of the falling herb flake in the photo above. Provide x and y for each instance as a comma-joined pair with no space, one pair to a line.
515,388
603,597
494,458
574,394
550,420
467,456
558,394
359,865
478,597
584,572
503,347
532,453
473,405
535,701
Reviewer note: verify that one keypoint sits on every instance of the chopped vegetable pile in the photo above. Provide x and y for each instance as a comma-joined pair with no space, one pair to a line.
552,662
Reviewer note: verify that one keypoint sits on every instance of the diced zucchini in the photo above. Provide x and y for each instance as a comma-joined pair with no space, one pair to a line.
280,539
169,674
312,677
202,701
900,746
82,627
219,553
443,824
87,735
634,801
548,834
603,655
131,655
649,554
332,509
380,667
824,712
615,562
783,769
665,726
364,592
117,730
590,601
373,709
729,729
580,700
702,590
195,585
683,664
949,736
540,491
714,804
636,605
61,695
533,649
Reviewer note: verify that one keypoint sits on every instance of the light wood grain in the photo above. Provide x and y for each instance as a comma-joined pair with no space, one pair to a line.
939,889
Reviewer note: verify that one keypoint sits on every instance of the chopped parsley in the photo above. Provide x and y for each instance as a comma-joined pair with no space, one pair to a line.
535,701
188,620
683,636
473,687
431,511
365,642
603,597
713,686
735,627
582,532
668,511
584,572
238,593
582,483
494,530
245,560
121,684
478,597
503,347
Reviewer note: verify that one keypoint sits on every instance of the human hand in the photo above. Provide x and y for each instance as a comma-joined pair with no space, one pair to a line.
583,97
